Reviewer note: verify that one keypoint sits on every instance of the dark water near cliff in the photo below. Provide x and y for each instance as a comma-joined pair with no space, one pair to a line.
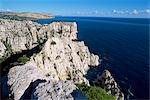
123,44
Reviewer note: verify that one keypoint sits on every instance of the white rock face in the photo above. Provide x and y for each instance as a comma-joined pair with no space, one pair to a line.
107,82
20,77
23,35
54,90
63,61
2,49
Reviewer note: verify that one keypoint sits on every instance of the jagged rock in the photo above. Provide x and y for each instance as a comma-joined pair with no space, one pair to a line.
62,58
107,82
54,90
20,77
2,49
17,35
23,35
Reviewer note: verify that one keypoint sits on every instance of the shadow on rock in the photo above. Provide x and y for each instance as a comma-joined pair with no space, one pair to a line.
8,63
28,93
78,95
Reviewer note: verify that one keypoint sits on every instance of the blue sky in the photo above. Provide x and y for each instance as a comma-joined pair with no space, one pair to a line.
109,8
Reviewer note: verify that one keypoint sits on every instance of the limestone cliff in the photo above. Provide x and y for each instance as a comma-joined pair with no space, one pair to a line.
62,57
16,36
52,72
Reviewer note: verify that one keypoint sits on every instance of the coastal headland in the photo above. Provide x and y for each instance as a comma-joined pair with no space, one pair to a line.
47,61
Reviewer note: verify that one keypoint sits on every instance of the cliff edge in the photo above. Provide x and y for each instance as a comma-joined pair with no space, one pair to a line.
42,61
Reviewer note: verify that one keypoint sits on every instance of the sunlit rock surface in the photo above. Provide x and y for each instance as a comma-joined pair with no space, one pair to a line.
16,36
62,62
20,77
107,82
54,90
64,59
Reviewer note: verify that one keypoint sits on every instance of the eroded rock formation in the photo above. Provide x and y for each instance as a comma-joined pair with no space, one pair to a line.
107,82
54,90
62,57
20,77
62,61
16,36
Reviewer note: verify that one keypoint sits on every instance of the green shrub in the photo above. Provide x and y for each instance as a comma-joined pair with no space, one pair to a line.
16,34
95,93
2,59
23,59
8,46
5,15
20,60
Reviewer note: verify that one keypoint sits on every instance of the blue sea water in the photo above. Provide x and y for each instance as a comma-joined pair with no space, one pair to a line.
122,44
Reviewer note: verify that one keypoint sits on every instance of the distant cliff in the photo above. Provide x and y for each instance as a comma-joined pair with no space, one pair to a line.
24,15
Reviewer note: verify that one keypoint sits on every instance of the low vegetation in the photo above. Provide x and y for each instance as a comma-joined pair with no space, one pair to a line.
8,48
2,59
95,93
61,21
13,17
21,60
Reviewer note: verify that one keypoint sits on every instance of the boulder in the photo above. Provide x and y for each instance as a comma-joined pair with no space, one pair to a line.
20,77
107,82
54,90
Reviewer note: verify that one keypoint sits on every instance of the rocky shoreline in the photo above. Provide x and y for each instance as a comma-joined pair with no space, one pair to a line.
60,63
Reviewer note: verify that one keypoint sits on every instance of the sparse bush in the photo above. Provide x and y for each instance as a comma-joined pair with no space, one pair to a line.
16,34
2,59
56,21
23,59
4,15
8,47
95,93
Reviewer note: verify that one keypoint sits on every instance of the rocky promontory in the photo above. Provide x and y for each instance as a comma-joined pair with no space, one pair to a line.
24,15
57,60
107,82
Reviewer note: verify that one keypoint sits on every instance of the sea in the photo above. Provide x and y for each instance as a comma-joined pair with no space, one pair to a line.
123,47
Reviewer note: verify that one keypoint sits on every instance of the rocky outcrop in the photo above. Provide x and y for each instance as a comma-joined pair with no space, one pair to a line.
107,82
20,77
16,36
60,59
54,90
62,62
65,59
2,49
